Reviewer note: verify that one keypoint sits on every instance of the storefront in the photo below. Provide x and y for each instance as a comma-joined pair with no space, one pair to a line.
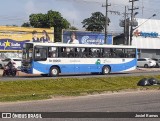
146,38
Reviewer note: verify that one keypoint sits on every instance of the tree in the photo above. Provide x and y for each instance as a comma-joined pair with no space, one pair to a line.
14,25
73,28
51,19
26,24
95,23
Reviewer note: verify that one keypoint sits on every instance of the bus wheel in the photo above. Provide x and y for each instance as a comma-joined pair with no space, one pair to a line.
54,71
106,70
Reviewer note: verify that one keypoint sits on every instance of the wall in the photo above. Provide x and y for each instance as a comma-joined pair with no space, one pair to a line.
147,35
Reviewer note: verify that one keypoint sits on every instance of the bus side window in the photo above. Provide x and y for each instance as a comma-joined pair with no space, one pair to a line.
85,53
71,52
98,53
64,52
106,53
90,54
77,52
52,52
80,53
130,53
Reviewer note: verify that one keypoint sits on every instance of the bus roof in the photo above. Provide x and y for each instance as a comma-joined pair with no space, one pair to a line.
80,45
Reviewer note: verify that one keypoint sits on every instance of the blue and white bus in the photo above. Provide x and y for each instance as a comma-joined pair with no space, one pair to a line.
51,59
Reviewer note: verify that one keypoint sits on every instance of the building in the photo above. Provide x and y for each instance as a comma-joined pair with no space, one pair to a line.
146,37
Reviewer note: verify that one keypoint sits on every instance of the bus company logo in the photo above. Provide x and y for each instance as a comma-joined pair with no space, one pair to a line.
98,61
145,34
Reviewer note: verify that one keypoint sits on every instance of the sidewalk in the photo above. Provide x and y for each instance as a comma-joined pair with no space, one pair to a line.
146,69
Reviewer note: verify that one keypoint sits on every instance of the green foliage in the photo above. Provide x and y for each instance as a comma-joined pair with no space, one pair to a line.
73,28
26,24
95,23
13,25
47,88
51,19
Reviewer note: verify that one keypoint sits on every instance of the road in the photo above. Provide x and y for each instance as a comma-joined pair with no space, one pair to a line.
140,101
36,77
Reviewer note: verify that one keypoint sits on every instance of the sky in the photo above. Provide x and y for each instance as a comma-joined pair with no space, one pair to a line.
16,12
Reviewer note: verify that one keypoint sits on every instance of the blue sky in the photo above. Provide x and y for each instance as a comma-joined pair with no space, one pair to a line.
75,11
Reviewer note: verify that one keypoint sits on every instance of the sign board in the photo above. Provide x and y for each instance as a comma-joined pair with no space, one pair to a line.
85,37
13,38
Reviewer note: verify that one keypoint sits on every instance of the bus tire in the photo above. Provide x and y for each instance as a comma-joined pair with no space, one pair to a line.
54,71
106,70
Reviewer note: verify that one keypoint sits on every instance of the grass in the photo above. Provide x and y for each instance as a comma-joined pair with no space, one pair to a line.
47,88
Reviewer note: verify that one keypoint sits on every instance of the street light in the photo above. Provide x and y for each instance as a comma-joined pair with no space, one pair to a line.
135,13
138,27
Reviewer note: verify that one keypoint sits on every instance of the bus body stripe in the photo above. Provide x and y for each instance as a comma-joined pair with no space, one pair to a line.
84,68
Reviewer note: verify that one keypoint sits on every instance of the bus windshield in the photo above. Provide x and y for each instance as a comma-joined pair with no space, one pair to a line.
27,51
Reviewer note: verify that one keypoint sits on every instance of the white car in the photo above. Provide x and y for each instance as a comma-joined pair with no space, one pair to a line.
157,61
146,62
15,61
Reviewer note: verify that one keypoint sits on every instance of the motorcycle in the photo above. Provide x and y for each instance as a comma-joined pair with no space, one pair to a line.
9,72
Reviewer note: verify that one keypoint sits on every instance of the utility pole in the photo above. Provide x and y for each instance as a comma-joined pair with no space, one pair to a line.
131,23
142,8
106,21
125,25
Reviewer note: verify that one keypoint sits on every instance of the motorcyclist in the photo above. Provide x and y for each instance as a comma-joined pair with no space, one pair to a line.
8,67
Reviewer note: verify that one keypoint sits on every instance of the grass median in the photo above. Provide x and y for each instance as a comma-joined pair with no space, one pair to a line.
48,88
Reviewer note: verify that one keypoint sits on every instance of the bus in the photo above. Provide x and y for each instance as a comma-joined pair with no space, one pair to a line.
52,59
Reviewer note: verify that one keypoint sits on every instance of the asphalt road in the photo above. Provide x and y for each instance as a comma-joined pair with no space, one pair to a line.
37,77
140,101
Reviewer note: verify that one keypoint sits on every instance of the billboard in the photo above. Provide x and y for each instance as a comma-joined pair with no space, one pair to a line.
86,37
13,38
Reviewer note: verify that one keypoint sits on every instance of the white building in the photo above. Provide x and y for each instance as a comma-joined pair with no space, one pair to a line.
146,37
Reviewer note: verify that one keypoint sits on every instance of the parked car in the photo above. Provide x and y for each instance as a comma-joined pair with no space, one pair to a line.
157,62
146,62
15,61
